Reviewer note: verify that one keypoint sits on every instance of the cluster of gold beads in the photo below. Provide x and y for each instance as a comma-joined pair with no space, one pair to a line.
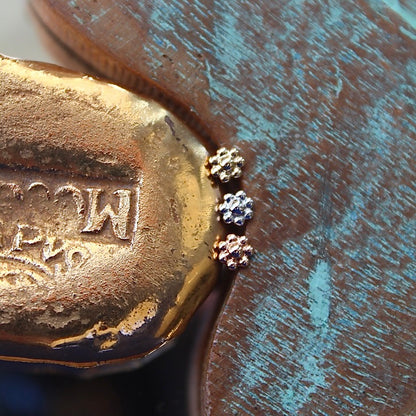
235,209
226,164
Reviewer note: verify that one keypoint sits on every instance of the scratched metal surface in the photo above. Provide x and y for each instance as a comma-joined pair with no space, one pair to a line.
319,96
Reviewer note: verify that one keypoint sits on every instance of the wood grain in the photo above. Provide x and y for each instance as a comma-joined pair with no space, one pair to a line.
320,98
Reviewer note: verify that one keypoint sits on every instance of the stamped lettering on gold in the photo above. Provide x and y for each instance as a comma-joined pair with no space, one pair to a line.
51,223
119,220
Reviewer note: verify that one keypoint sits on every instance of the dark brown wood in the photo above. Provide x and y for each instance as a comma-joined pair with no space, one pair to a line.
320,99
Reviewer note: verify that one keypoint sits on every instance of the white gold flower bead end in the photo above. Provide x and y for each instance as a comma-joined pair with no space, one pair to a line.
236,208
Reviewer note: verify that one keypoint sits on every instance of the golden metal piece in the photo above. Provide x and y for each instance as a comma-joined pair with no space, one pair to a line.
226,164
107,219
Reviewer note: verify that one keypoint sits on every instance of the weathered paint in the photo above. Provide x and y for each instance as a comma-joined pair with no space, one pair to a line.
407,12
319,295
320,97
310,357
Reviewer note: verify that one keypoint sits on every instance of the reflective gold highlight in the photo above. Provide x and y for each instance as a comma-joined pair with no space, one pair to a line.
107,219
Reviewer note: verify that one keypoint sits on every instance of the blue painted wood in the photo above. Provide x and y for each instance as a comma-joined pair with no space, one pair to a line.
320,98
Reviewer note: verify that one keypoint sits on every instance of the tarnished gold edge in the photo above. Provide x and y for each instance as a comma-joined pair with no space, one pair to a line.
85,365
172,329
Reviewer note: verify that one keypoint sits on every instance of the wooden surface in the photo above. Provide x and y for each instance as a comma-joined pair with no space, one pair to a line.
319,97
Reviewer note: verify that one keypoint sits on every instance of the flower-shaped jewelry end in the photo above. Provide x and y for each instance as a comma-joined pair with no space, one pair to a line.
234,251
226,164
236,208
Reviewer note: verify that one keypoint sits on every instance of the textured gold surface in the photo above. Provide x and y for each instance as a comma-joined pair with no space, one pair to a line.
107,219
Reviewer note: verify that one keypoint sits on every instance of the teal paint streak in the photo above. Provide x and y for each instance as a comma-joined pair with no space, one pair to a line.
235,54
78,19
408,33
295,389
320,294
314,346
74,5
164,19
94,18
99,15
406,13
228,37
